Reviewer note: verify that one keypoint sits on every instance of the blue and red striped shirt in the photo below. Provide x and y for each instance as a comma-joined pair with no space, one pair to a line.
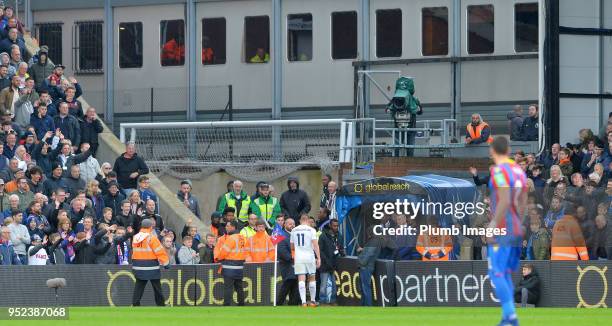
510,175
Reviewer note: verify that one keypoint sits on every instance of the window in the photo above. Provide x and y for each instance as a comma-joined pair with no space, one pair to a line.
213,41
435,31
389,33
344,35
88,47
172,42
299,37
526,27
50,34
481,29
257,39
130,45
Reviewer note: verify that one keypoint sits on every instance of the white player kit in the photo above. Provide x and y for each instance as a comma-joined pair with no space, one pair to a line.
301,238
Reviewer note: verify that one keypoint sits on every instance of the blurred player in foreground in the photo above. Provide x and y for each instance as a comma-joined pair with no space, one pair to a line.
508,185
305,244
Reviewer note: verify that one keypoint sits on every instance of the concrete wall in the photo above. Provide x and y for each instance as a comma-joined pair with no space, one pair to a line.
209,189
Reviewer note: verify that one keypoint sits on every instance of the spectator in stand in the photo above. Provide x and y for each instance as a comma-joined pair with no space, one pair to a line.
324,192
515,118
90,168
11,40
35,215
68,125
8,256
45,99
22,72
24,193
538,245
55,180
601,237
186,255
35,176
552,158
604,126
16,57
565,164
592,197
555,212
137,208
68,237
42,122
5,78
54,80
114,198
107,217
216,224
90,128
9,96
74,182
84,247
144,188
103,177
40,70
149,213
295,201
124,217
599,175
129,166
239,200
5,60
20,236
192,231
24,106
528,288
72,92
184,194
530,128
37,253
170,248
556,177
206,253
4,200
95,196
478,131
591,159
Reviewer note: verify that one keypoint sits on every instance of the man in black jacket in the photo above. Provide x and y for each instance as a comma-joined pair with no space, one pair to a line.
294,202
90,128
331,246
289,285
530,127
528,289
85,249
128,167
114,197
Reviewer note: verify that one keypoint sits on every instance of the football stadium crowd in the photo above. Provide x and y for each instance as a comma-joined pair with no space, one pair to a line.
60,205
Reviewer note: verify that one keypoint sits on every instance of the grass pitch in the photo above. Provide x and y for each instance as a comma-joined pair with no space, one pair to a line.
353,316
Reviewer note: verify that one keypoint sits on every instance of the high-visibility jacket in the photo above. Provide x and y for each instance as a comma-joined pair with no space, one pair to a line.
247,232
475,133
232,255
172,50
257,59
567,240
229,200
434,245
147,255
266,208
214,231
218,246
260,248
207,55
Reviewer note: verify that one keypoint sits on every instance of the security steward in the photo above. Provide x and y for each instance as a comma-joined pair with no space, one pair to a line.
232,255
478,131
147,256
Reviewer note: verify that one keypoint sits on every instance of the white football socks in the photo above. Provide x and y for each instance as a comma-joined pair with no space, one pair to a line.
312,287
302,288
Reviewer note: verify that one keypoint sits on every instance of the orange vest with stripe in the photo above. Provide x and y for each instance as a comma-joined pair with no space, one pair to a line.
260,248
475,133
147,254
567,240
233,248
435,245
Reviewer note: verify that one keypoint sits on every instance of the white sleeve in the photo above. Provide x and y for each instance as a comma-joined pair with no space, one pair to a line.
292,237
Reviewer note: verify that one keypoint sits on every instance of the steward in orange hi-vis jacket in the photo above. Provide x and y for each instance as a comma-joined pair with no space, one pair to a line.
147,256
259,247
434,246
567,239
232,255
